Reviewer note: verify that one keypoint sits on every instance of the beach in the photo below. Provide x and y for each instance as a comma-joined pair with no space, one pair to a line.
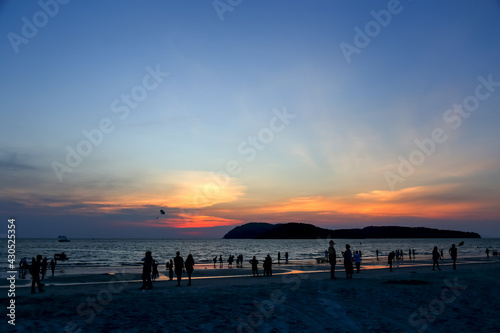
299,297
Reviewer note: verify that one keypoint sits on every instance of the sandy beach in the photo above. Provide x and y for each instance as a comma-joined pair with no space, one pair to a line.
299,297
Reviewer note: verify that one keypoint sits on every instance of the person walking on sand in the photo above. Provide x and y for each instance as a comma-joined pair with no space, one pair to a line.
332,259
453,253
179,266
286,257
52,266
487,253
348,262
189,267
221,261
279,258
35,273
435,258
215,261
146,271
357,261
255,267
376,253
390,259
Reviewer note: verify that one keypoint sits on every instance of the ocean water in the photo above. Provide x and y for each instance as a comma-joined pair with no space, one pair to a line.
101,253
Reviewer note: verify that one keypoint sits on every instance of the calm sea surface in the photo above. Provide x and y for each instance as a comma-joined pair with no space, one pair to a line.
88,253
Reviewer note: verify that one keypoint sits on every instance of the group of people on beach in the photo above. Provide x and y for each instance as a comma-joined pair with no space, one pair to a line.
350,258
178,265
37,269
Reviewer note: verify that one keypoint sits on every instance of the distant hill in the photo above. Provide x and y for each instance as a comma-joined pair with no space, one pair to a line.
260,230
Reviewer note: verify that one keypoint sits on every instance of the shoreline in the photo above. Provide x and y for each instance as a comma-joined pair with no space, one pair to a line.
132,274
298,300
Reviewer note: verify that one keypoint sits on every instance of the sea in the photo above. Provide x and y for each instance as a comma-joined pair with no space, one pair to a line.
115,255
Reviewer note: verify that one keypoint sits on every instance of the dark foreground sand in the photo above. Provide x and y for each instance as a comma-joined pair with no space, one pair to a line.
410,299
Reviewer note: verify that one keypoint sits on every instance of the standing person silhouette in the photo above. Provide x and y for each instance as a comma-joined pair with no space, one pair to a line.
376,252
453,253
279,258
179,265
255,267
215,261
155,270
357,260
189,267
146,271
332,258
390,259
286,257
171,270
348,262
44,267
221,261
35,273
52,266
487,253
435,258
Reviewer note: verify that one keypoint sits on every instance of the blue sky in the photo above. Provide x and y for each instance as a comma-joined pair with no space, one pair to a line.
350,119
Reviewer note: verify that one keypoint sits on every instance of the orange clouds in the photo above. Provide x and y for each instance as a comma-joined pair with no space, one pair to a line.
440,201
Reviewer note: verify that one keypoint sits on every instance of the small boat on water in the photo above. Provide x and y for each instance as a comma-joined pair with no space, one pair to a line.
62,239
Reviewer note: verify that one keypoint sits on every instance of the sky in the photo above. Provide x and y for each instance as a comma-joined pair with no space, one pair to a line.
343,114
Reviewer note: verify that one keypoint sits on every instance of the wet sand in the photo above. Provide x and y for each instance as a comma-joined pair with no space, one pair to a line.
299,297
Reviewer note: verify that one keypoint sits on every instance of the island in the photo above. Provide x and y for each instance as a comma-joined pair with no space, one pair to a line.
294,230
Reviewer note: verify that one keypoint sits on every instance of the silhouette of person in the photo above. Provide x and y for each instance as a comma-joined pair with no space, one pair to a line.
230,261
442,255
171,270
409,254
268,266
241,260
435,258
348,262
357,261
44,267
255,267
215,261
286,257
390,259
52,266
179,265
221,261
35,273
189,267
413,252
376,253
146,271
23,265
332,258
279,258
155,270
487,253
453,253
